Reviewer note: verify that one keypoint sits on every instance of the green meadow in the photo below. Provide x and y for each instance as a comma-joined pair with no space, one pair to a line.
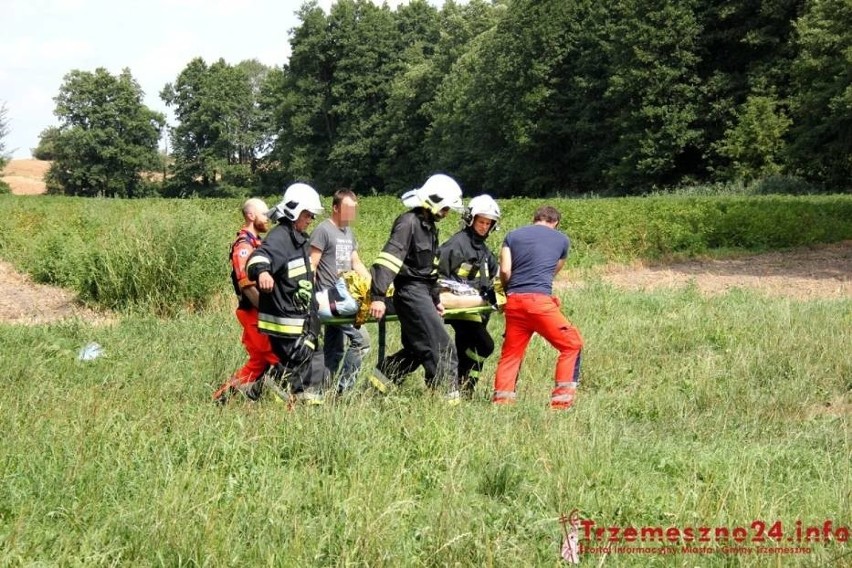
693,411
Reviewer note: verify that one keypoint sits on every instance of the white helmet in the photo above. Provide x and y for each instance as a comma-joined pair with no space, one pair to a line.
438,192
483,206
297,198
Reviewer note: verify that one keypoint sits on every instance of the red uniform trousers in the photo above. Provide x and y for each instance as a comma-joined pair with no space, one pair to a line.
257,346
538,313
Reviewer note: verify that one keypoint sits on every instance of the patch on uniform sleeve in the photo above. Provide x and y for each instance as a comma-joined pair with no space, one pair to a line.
244,253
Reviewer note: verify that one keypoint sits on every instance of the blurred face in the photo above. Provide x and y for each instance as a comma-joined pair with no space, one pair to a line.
304,221
442,213
347,211
481,225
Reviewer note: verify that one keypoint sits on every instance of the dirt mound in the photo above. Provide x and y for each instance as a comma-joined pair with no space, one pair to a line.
26,177
815,272
25,302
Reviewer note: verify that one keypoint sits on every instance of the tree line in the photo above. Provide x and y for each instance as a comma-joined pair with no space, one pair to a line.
513,97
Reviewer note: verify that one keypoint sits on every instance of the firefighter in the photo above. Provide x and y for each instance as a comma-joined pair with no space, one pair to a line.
260,356
465,257
529,259
288,314
409,261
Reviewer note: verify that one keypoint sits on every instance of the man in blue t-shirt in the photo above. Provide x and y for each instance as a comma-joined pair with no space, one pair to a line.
531,256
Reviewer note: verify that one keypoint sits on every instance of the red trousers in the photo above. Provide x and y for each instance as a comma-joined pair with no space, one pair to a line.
258,349
537,313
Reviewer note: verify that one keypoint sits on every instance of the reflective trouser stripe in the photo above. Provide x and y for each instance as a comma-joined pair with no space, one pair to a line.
502,397
563,394
474,355
562,398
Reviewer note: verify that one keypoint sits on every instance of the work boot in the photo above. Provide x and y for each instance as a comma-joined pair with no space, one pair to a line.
453,398
380,382
563,397
466,387
310,398
232,387
276,381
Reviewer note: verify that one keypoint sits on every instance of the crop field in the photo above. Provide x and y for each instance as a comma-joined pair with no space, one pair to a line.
718,411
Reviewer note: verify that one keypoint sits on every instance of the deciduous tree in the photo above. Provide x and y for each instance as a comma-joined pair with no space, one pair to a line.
107,136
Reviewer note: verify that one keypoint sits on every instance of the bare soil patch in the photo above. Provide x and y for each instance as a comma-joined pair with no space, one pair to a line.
23,301
823,271
26,177
802,274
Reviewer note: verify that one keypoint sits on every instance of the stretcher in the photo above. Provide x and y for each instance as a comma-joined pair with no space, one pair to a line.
448,312
393,317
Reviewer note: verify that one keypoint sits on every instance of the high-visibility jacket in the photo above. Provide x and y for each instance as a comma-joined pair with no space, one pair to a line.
410,254
284,254
245,244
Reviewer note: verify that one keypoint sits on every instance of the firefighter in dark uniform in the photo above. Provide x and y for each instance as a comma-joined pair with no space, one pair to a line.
409,261
465,257
287,307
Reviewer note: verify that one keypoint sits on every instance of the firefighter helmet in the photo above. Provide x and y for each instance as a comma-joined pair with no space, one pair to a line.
439,192
482,206
297,198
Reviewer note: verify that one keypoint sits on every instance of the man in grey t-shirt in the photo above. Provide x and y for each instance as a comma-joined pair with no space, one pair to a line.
334,250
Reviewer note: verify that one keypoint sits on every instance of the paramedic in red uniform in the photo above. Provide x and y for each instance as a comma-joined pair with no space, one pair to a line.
245,380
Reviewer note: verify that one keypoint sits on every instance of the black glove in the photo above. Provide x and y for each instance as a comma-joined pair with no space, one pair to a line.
490,296
304,348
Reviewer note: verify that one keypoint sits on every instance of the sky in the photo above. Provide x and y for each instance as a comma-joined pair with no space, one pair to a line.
42,40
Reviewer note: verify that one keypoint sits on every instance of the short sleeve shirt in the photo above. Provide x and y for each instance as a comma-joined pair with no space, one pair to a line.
337,245
535,251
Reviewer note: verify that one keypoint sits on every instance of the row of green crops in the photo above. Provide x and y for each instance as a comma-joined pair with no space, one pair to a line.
163,255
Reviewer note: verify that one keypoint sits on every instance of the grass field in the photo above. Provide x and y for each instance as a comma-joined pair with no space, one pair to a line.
693,411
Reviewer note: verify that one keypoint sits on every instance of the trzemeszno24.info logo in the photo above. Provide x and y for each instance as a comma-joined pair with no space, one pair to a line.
582,536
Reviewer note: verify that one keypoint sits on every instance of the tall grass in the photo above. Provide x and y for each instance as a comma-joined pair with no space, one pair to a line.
692,410
165,255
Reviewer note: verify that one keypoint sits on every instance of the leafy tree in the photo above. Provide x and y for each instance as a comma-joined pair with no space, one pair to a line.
652,92
821,148
564,94
431,42
755,143
221,130
46,149
107,136
745,48
363,41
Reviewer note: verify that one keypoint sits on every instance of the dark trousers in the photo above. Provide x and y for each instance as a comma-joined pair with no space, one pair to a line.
303,376
473,345
425,340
